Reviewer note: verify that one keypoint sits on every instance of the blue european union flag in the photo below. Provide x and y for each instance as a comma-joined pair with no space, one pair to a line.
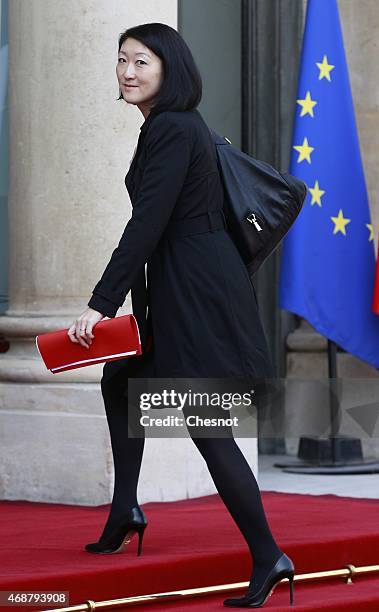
328,258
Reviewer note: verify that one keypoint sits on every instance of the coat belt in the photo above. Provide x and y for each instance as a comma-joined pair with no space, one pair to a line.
211,221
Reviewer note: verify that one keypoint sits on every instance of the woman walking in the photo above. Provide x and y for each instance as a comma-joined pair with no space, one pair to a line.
198,314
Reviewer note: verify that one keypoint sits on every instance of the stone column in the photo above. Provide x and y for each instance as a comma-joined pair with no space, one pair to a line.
70,143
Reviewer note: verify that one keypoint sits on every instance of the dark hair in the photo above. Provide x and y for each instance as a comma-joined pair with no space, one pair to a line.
181,87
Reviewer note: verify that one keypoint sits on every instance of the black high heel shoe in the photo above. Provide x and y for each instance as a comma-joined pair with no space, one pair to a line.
134,522
283,568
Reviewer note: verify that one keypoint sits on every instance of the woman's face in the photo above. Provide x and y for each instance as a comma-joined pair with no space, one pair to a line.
139,73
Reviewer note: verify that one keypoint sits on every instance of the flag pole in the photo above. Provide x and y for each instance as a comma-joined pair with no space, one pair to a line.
334,400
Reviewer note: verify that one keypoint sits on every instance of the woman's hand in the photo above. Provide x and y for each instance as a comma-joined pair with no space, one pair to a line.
81,330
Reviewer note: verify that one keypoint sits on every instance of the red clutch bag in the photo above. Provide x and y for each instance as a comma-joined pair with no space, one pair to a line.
115,338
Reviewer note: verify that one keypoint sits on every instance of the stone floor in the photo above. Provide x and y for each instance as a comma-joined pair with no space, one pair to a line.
271,478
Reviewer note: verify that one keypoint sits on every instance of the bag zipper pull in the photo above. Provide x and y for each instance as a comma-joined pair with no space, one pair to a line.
254,220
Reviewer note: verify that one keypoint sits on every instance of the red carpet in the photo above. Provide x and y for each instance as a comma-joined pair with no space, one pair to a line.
191,543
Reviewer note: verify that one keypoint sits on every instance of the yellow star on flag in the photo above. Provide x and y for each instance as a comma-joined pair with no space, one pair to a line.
371,228
325,69
317,193
307,105
339,223
304,151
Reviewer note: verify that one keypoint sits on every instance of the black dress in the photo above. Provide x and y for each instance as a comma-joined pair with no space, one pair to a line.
203,316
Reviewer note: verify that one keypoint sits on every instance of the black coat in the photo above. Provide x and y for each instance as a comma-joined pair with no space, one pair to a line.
203,314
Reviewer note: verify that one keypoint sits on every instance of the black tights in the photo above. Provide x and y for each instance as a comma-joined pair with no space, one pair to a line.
230,472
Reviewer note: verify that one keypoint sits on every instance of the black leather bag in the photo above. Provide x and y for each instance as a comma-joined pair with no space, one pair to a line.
260,203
